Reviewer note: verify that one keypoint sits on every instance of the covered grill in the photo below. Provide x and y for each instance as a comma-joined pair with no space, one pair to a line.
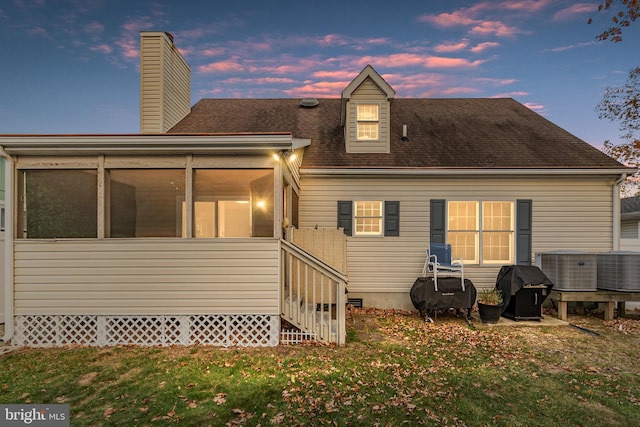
449,294
524,288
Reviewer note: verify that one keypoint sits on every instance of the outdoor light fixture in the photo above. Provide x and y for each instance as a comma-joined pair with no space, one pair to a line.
288,155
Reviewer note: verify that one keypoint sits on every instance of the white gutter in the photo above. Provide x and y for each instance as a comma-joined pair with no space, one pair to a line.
148,143
8,246
421,172
616,212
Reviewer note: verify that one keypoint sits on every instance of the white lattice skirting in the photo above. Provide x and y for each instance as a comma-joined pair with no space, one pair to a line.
254,330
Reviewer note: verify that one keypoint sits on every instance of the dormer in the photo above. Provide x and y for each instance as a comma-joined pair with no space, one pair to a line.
366,105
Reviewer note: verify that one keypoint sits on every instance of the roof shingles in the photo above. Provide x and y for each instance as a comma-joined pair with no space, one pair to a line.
442,133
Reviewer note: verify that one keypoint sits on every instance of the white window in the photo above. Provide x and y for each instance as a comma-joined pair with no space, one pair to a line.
368,122
481,232
368,218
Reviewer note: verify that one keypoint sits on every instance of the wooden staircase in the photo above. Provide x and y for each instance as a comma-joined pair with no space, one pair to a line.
313,295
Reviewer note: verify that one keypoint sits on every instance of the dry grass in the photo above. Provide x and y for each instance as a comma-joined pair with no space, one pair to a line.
396,369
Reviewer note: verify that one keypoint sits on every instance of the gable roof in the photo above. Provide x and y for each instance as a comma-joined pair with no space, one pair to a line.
442,133
369,73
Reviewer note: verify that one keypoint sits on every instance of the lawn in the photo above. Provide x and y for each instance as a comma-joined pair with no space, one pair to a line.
395,370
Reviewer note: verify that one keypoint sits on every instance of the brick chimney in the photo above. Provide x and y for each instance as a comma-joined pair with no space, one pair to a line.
165,83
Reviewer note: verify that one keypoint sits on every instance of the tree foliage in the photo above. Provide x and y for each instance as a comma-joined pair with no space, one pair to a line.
621,105
624,12
629,154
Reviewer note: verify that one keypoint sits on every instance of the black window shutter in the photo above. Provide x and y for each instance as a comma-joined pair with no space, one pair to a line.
438,223
345,216
391,218
523,232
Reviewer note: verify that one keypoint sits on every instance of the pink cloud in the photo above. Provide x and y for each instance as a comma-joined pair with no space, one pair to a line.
451,47
337,75
394,60
473,17
510,94
128,42
134,27
525,5
481,47
409,59
94,27
460,17
221,67
332,40
441,62
129,47
318,89
104,48
535,107
213,51
379,40
496,82
496,28
458,90
260,81
576,9
571,46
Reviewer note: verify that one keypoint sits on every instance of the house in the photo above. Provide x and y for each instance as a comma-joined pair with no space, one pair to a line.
186,232
630,223
630,217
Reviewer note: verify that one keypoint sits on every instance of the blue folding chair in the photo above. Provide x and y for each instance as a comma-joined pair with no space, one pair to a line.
439,261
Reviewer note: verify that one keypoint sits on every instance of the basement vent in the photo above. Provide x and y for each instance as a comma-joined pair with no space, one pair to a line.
355,302
309,102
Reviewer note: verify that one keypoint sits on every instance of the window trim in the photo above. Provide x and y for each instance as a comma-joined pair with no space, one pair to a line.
390,218
368,121
380,219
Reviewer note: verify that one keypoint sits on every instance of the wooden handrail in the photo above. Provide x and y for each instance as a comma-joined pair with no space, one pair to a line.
310,289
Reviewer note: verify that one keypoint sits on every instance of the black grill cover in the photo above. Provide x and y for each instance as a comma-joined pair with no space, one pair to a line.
449,295
512,278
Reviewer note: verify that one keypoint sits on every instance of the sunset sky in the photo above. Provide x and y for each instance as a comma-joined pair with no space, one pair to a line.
72,66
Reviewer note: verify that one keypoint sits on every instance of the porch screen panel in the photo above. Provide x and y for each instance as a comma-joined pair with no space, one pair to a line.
146,202
233,203
58,204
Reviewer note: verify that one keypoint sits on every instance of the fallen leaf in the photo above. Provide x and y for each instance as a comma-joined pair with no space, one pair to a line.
220,399
108,412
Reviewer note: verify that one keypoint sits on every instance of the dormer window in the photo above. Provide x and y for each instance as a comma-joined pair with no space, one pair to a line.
368,122
366,113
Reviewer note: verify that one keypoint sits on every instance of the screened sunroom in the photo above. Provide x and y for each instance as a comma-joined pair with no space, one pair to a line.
149,239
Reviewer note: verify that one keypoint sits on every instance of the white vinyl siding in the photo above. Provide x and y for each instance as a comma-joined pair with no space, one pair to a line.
156,276
629,229
568,213
368,94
